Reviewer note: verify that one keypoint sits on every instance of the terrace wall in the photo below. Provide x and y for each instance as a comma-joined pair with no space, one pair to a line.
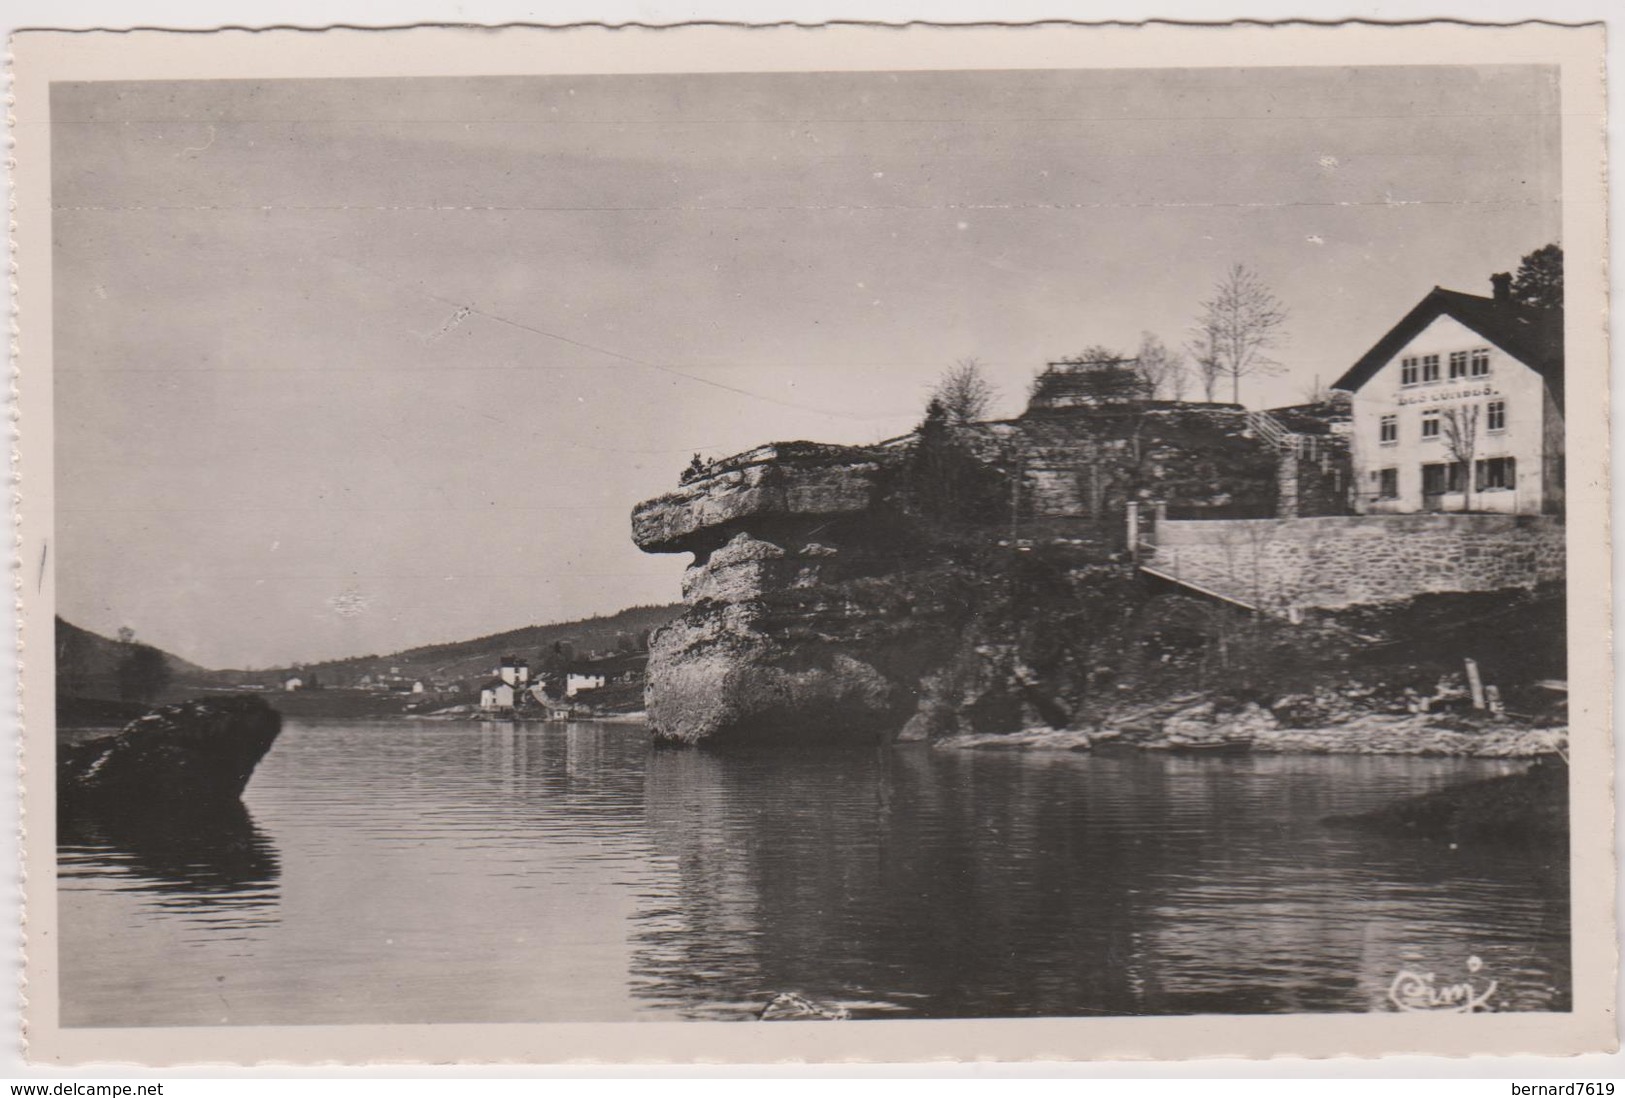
1350,560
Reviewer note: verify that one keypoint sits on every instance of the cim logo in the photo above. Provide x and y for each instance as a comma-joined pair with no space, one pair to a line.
1413,992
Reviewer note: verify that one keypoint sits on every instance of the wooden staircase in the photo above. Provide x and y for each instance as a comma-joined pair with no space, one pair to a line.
1273,433
1296,451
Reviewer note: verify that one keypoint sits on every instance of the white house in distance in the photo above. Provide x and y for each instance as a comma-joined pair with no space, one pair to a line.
512,678
1460,407
292,683
577,681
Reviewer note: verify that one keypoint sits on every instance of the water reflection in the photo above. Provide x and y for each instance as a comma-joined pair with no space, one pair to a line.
204,863
437,872
977,884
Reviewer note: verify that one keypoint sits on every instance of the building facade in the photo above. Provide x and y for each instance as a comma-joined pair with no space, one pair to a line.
579,681
496,694
1459,408
503,691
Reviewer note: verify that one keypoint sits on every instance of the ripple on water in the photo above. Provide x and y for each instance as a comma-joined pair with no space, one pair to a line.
406,872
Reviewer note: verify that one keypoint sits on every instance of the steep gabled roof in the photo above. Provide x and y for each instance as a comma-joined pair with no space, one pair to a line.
1531,336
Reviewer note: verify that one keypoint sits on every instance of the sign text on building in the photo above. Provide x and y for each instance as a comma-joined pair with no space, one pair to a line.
1438,395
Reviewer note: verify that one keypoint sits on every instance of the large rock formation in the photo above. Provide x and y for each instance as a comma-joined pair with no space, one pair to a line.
811,614
933,586
185,757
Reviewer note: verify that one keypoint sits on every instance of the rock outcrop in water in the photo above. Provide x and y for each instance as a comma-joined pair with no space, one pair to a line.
192,756
811,614
846,591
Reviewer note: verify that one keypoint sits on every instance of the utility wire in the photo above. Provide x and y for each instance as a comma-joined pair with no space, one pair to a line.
465,308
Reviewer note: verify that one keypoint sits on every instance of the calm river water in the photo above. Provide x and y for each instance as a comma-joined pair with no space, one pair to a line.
417,871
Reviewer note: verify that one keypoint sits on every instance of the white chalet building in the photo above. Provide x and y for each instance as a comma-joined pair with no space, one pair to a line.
502,692
1460,408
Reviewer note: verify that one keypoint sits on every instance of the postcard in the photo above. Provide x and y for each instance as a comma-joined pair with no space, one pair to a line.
814,543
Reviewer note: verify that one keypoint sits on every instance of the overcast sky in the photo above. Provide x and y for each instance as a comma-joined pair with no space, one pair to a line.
348,366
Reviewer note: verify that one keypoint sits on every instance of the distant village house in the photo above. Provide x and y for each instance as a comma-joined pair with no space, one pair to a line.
512,678
577,682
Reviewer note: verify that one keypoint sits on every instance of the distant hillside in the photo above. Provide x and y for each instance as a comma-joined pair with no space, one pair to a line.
474,659
90,661
95,658
92,694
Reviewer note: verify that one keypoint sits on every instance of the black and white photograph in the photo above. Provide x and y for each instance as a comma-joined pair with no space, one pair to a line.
766,544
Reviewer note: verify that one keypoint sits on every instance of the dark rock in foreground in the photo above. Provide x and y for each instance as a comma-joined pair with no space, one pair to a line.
193,755
1530,808
77,716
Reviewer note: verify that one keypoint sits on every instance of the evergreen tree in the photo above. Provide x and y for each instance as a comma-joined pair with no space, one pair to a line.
1539,281
949,485
142,673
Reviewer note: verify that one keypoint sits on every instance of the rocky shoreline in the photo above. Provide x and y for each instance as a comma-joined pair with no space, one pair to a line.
1368,733
1202,727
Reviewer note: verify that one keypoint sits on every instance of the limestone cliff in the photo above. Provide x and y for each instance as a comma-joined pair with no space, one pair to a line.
811,612
971,579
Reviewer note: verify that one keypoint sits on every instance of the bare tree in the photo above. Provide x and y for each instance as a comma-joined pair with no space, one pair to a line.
1316,392
1163,371
1096,354
964,392
1205,361
1179,377
1460,426
1239,324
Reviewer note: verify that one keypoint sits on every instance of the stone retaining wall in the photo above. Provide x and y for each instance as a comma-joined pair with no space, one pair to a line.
1339,561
